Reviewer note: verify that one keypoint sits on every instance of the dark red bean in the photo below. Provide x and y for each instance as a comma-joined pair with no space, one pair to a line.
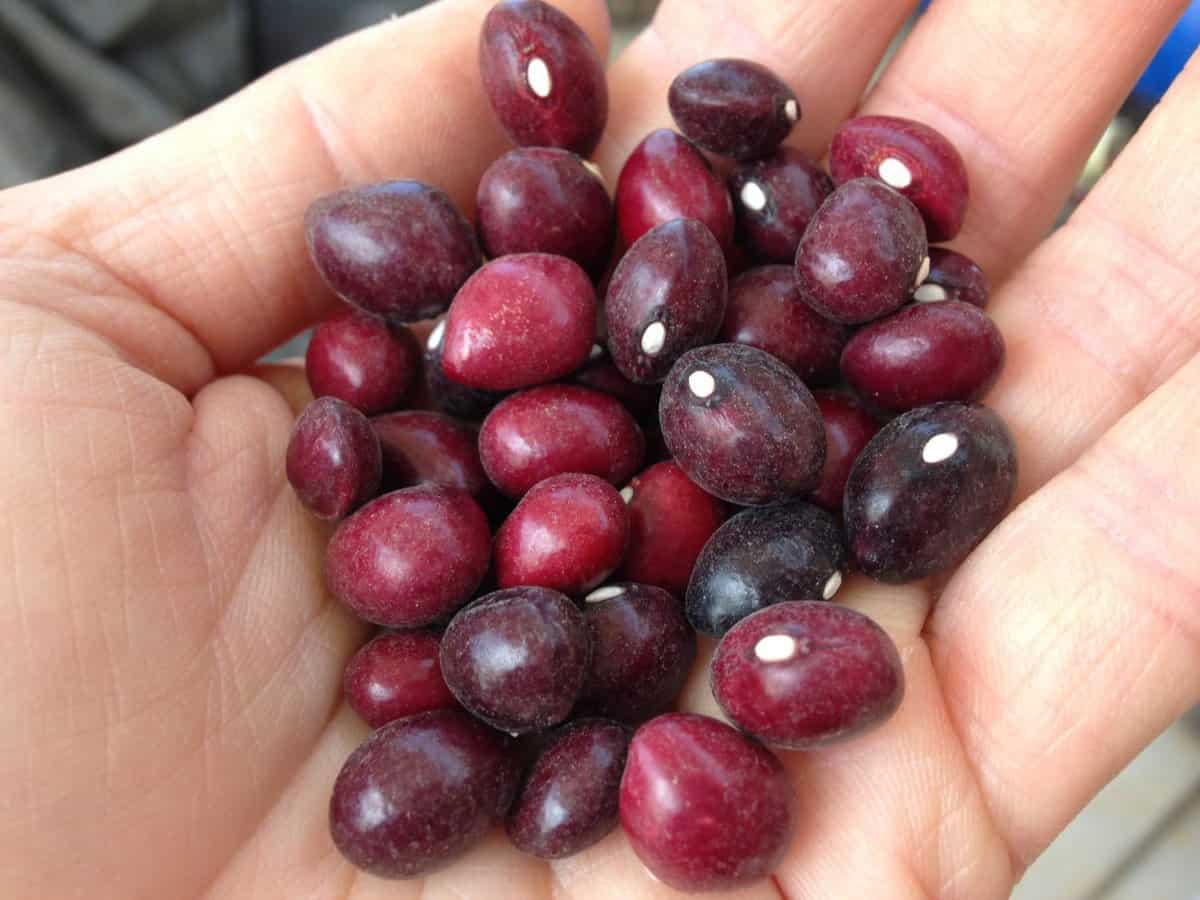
848,429
568,533
670,520
642,651
409,558
742,425
396,674
450,397
601,374
555,429
733,107
953,276
364,361
774,200
764,556
800,675
517,658
543,77
863,253
928,488
666,296
667,178
923,354
399,249
569,799
420,792
704,807
421,447
333,458
910,157
545,200
519,321
765,311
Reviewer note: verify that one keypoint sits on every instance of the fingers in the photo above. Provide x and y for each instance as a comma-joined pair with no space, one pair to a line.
1109,307
826,51
1072,637
1024,90
204,222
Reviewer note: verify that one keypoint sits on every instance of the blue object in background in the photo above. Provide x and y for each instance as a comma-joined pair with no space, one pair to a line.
1176,50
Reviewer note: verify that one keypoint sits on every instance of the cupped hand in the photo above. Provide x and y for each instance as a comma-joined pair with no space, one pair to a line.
172,720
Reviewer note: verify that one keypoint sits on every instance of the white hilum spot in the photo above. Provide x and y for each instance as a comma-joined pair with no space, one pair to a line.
939,448
775,648
593,168
702,384
832,586
894,173
596,352
435,336
930,293
753,197
791,110
627,494
538,76
922,273
654,337
605,593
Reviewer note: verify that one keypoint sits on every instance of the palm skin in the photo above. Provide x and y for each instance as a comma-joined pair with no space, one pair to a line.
173,721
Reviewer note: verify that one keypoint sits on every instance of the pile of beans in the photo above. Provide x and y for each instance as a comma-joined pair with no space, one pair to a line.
545,504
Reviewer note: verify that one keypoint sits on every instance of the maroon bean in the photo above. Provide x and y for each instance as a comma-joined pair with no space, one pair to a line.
333,458
794,551
774,199
667,178
568,533
801,675
555,429
396,674
928,488
517,658
420,792
924,353
910,157
848,430
742,425
410,557
952,276
421,447
450,397
569,799
704,807
601,374
670,520
733,107
642,652
543,77
399,249
765,311
519,321
364,361
545,200
862,254
667,295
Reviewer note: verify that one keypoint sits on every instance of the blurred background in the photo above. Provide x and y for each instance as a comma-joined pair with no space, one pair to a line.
82,78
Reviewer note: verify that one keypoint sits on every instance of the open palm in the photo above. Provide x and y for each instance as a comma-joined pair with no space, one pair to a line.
172,720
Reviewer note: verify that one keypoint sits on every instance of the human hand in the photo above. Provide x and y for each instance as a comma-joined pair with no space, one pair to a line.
173,719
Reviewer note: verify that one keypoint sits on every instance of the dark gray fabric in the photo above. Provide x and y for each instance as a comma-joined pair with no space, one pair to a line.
81,78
